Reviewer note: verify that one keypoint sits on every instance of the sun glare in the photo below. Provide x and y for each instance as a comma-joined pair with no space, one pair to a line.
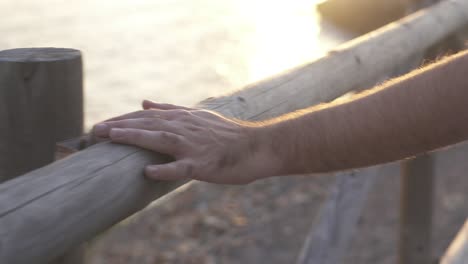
174,51
285,35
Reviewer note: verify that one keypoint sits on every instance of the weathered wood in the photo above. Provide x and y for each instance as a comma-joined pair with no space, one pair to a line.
457,252
356,65
41,90
64,149
331,234
47,211
322,246
75,256
41,101
417,177
67,147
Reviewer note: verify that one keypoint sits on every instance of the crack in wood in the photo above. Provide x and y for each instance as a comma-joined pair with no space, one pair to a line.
93,173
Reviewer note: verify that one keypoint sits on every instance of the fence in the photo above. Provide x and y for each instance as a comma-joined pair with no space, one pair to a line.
49,211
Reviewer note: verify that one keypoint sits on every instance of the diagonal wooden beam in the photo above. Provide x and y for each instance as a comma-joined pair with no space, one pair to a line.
48,211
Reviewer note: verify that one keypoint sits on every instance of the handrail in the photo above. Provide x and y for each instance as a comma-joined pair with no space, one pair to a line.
48,211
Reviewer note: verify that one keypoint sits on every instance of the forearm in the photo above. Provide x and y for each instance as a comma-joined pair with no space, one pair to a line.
419,112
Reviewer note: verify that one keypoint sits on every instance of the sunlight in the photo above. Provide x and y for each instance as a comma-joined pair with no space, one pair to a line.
286,34
175,51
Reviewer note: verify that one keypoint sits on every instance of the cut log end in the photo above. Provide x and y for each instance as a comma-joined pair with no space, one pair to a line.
38,54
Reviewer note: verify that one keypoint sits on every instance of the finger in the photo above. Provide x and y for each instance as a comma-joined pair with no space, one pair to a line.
158,141
170,171
136,114
147,104
103,129
95,139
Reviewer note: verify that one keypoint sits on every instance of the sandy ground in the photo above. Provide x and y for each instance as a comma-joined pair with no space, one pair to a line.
266,222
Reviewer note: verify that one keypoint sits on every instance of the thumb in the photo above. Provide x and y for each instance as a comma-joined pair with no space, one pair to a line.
147,104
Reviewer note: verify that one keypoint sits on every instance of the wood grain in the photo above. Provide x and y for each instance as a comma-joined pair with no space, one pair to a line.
43,96
333,230
41,102
48,211
417,179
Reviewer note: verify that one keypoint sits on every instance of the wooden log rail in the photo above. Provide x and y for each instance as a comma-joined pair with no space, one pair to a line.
48,211
41,91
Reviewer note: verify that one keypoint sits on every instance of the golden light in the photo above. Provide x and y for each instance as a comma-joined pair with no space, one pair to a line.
286,34
178,52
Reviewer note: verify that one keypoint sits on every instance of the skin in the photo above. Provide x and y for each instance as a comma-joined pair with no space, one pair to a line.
205,145
419,112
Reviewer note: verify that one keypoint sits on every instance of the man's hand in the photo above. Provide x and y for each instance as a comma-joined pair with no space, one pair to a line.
419,112
206,146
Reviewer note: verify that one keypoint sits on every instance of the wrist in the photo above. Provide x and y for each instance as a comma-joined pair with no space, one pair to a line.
296,145
266,160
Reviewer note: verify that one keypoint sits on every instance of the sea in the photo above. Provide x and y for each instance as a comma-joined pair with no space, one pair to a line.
172,51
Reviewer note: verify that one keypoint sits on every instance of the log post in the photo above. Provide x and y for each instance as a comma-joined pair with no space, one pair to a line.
334,228
98,187
417,177
41,102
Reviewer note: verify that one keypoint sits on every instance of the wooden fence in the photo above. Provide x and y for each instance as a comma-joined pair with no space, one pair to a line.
49,211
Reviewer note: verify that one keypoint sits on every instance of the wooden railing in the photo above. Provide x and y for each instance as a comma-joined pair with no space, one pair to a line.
49,211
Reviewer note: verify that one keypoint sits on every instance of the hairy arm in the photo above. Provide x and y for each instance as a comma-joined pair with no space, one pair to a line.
419,112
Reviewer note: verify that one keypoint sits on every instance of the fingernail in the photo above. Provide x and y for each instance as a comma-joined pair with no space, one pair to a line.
151,171
117,133
147,104
101,129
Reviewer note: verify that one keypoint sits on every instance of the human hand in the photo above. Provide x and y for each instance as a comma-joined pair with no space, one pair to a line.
205,145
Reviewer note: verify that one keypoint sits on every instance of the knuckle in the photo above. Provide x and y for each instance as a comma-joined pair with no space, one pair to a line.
147,123
134,134
152,112
194,128
112,124
170,138
141,112
181,114
120,123
188,169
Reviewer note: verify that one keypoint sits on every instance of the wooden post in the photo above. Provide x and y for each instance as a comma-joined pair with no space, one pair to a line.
333,230
417,176
90,191
41,102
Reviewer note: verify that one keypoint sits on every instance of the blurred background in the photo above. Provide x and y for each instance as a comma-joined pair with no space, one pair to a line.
176,51
183,51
